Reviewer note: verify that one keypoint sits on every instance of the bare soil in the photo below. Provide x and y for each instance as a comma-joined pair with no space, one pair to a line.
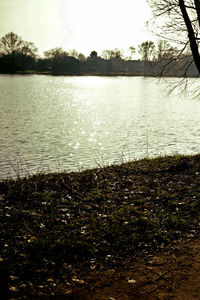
171,275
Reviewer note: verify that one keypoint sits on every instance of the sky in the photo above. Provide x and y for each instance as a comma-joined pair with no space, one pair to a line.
84,25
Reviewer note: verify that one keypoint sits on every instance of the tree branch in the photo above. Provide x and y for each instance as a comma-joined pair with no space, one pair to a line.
197,6
191,35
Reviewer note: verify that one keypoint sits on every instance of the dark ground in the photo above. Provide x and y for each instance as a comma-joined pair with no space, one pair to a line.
123,232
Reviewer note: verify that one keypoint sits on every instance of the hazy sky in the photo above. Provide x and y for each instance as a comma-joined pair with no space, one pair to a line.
85,25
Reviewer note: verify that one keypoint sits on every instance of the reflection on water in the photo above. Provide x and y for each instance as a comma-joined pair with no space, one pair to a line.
57,123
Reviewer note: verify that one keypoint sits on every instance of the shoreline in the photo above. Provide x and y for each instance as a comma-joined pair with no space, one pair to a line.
120,74
60,227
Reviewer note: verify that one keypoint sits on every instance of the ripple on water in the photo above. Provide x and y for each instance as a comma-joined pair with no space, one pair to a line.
56,123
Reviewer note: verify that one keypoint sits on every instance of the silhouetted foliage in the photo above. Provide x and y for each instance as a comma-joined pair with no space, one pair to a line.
59,62
93,54
16,54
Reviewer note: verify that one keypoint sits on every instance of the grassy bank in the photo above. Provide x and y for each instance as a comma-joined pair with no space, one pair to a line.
57,228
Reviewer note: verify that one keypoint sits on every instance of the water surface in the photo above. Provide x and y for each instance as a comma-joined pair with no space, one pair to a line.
68,123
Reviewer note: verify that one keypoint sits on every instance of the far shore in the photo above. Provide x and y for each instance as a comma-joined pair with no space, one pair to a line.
113,74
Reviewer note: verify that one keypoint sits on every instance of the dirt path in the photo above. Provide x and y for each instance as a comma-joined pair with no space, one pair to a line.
172,275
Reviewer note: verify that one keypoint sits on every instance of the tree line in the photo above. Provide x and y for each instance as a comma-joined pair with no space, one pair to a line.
17,55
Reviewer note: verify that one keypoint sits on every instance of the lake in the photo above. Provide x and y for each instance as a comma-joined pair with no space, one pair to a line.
69,123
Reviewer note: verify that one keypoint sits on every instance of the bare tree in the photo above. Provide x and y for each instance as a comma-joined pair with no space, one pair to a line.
55,53
58,62
147,50
132,51
165,50
81,57
29,48
74,53
110,54
11,43
106,54
19,53
117,53
179,22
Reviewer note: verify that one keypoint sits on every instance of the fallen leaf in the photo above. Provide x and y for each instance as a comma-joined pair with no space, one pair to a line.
92,267
14,277
132,281
67,292
13,289
32,239
77,280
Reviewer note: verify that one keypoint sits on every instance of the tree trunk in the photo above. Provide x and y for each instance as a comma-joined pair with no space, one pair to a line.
191,35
